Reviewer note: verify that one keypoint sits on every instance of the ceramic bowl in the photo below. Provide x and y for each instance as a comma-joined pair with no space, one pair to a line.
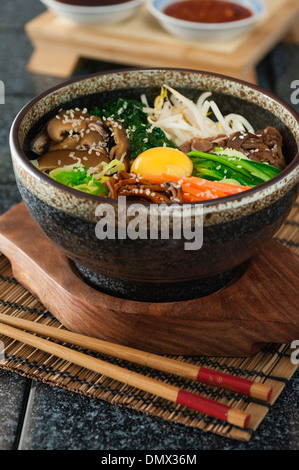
113,13
235,228
193,31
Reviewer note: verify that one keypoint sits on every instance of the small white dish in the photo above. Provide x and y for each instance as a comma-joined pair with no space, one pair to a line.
94,15
190,30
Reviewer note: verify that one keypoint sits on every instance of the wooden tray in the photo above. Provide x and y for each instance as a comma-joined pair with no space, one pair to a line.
260,308
140,41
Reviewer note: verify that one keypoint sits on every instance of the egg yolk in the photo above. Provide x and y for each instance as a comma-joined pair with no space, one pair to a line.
162,160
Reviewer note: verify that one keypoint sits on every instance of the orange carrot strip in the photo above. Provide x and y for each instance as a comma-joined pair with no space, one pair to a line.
228,188
197,181
188,198
207,184
198,188
187,186
202,193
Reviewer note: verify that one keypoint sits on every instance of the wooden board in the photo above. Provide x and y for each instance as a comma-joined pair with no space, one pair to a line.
260,308
140,41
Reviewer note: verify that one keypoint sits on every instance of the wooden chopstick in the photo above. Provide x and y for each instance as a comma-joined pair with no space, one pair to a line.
169,392
200,374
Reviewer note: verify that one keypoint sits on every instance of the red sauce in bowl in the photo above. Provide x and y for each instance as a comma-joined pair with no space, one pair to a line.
207,11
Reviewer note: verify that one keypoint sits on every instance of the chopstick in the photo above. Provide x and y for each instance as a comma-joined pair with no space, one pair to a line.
169,392
246,387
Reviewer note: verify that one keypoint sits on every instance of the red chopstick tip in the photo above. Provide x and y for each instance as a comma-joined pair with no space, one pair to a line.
247,421
238,418
217,410
269,393
261,391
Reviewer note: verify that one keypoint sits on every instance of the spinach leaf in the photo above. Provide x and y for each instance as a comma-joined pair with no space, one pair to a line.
128,111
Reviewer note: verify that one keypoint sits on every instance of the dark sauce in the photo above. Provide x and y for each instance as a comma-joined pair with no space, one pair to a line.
207,11
92,3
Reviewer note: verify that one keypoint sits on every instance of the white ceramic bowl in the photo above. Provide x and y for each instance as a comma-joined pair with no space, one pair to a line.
94,15
206,31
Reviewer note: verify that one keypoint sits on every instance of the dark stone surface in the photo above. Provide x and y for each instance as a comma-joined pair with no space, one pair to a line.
46,418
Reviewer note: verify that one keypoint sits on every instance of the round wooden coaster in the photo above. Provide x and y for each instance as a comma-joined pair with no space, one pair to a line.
260,307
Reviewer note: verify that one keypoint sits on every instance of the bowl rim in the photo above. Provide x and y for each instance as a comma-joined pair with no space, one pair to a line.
35,172
67,8
206,26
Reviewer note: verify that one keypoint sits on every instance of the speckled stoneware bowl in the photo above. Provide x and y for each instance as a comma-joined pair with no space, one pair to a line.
152,270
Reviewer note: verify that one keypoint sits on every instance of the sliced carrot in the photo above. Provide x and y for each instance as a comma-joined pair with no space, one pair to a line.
188,198
227,188
198,189
202,193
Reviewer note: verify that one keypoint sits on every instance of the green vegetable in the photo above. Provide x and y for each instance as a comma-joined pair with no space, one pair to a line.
218,167
128,111
77,178
143,138
139,132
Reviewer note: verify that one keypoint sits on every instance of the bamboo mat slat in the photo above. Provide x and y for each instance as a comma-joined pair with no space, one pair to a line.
272,365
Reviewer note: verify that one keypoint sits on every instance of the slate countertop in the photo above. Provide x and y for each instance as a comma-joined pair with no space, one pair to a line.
35,416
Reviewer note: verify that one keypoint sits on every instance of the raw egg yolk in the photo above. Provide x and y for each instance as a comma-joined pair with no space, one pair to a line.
162,160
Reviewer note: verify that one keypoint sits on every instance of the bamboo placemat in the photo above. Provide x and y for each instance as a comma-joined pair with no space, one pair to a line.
272,365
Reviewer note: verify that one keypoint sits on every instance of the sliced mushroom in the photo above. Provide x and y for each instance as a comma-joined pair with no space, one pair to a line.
70,142
66,122
77,136
60,158
93,140
40,143
94,123
121,150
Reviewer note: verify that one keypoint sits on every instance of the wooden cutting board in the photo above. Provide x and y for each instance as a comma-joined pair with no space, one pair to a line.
59,44
260,308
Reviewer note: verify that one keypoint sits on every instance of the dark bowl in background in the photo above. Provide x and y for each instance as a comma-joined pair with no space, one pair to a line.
235,228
